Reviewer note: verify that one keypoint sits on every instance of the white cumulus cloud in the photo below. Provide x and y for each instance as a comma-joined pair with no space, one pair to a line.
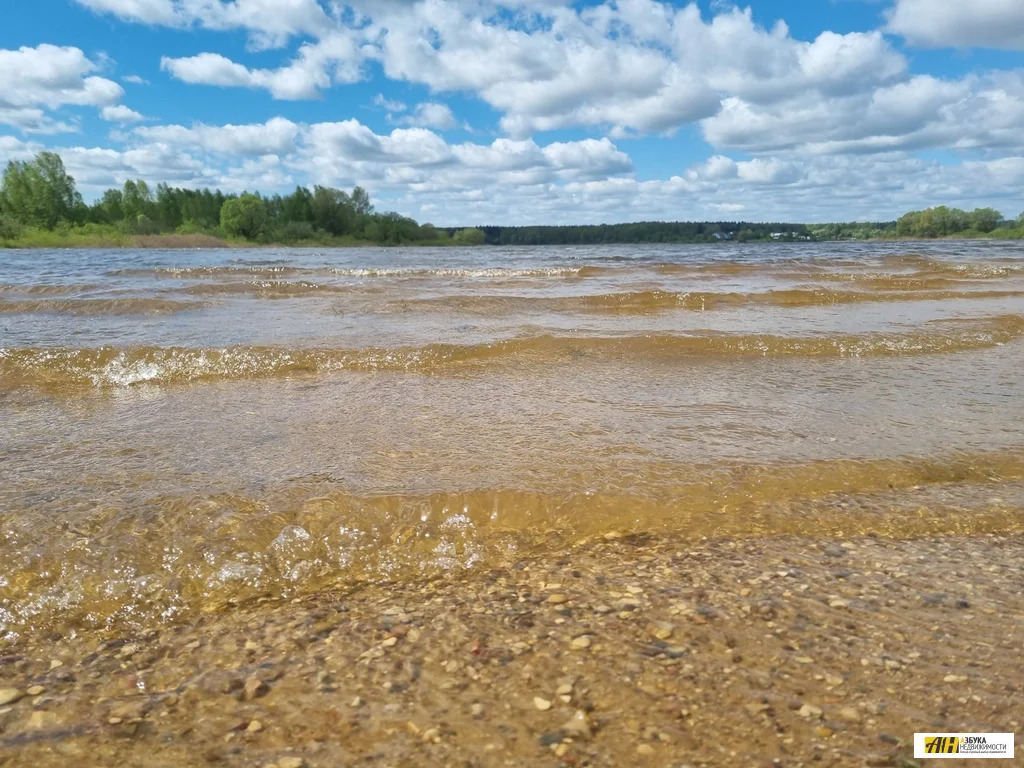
947,23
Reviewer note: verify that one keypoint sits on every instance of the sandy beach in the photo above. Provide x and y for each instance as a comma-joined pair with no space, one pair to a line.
664,651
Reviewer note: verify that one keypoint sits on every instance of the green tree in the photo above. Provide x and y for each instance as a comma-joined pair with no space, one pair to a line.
469,237
332,210
39,192
244,216
985,219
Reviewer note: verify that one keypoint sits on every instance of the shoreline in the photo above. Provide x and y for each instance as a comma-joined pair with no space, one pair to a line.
654,650
203,242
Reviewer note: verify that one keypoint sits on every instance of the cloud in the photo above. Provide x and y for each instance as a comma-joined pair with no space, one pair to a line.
391,105
52,76
275,136
430,115
120,114
923,112
945,24
270,23
135,80
334,59
34,81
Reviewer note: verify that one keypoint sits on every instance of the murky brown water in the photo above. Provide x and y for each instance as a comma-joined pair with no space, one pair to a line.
182,429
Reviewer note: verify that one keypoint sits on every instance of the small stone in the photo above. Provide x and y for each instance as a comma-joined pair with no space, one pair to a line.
390,642
850,714
804,660
35,690
542,704
756,709
477,710
251,646
127,651
580,643
254,688
291,762
9,695
833,680
836,602
557,599
810,711
356,702
645,750
564,690
115,720
432,736
578,726
56,663
662,630
41,719
954,678
254,727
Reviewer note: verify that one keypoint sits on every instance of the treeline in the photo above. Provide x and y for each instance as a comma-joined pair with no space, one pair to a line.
931,223
40,205
644,232
39,196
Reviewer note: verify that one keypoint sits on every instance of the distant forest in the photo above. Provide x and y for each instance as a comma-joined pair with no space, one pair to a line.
40,206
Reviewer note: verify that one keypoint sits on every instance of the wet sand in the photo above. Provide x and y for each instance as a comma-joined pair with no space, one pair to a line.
626,650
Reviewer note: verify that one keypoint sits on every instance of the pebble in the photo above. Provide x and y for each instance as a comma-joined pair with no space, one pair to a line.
662,630
557,599
390,642
255,726
836,602
35,690
850,714
56,663
9,695
41,719
477,710
291,762
254,688
580,643
578,726
542,704
646,750
810,711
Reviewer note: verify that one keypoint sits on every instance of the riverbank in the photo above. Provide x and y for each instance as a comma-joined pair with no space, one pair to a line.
789,651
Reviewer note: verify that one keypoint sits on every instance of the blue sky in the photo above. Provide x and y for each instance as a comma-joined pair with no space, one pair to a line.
472,111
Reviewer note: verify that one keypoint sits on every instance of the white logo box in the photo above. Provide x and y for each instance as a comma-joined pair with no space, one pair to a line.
994,746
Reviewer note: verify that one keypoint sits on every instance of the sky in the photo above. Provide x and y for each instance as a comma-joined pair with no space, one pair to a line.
472,112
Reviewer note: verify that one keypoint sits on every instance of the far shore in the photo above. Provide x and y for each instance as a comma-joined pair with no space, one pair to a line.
203,241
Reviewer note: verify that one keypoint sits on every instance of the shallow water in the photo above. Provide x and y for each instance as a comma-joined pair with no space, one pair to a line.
180,429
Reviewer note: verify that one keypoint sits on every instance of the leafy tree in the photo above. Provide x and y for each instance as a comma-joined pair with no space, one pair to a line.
244,216
40,191
332,210
985,219
469,237
9,228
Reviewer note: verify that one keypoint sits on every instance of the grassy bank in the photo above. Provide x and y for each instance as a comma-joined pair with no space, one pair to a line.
93,236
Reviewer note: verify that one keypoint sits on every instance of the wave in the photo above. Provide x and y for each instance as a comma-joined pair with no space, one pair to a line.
125,306
45,289
199,273
640,302
112,366
169,556
277,271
